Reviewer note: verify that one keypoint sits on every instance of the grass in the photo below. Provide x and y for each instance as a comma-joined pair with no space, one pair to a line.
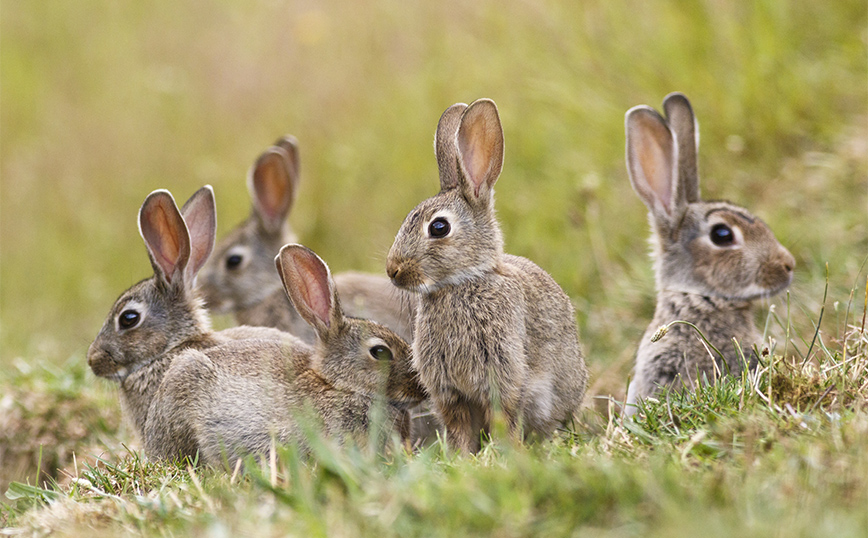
102,104
750,456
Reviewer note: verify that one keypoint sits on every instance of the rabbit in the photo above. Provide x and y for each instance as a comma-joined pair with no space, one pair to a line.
156,319
354,360
712,259
490,327
189,390
241,278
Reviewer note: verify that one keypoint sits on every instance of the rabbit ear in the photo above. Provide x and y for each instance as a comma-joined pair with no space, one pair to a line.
290,145
200,214
445,148
272,182
165,233
679,116
480,147
651,160
308,282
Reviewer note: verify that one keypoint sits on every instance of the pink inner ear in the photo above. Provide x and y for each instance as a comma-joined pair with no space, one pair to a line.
652,158
271,184
476,152
163,237
658,171
314,290
477,156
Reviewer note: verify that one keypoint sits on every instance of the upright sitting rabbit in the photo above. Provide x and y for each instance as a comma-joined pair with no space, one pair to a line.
241,279
711,258
489,326
188,389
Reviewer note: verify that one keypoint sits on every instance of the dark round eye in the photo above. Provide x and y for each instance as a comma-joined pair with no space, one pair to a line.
381,353
233,261
721,235
439,227
128,319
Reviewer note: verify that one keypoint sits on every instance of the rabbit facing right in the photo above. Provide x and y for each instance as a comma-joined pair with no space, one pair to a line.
712,259
489,326
240,277
356,362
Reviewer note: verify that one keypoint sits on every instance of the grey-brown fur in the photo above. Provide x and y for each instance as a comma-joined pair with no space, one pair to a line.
489,326
189,390
346,377
708,284
251,291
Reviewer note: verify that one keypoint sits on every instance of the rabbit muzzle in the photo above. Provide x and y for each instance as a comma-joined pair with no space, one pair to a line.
404,274
777,273
103,364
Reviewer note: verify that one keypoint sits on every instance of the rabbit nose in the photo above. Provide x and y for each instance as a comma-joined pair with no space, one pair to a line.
392,269
787,259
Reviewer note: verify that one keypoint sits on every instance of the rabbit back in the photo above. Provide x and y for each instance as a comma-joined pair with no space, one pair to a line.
227,401
374,297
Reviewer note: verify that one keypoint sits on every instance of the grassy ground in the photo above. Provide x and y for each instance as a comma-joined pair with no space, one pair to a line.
103,103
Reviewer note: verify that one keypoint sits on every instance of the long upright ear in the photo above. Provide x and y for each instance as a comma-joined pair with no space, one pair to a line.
445,148
480,147
651,160
679,116
290,145
166,237
272,182
200,214
308,283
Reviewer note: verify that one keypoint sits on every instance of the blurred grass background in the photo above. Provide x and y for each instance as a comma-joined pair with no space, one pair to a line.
100,103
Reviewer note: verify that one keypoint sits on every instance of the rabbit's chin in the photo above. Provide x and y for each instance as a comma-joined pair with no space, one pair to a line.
108,368
751,293
755,291
429,285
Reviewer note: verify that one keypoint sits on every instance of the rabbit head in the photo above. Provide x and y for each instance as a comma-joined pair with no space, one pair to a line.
241,274
353,355
710,248
454,236
163,311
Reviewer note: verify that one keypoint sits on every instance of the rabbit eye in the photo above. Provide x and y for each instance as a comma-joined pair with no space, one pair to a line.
381,353
128,319
439,227
233,261
721,235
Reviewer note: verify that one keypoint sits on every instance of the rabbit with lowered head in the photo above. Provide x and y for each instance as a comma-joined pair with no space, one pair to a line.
354,361
712,259
489,327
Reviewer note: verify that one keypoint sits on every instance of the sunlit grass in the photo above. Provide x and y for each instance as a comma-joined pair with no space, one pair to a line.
745,456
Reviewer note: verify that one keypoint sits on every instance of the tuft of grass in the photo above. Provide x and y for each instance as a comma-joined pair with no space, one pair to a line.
778,450
47,414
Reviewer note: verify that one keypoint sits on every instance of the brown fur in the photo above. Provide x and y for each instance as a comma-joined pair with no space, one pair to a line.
490,327
712,286
251,290
189,390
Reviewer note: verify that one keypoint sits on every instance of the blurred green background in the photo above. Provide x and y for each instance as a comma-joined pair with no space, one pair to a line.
102,102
